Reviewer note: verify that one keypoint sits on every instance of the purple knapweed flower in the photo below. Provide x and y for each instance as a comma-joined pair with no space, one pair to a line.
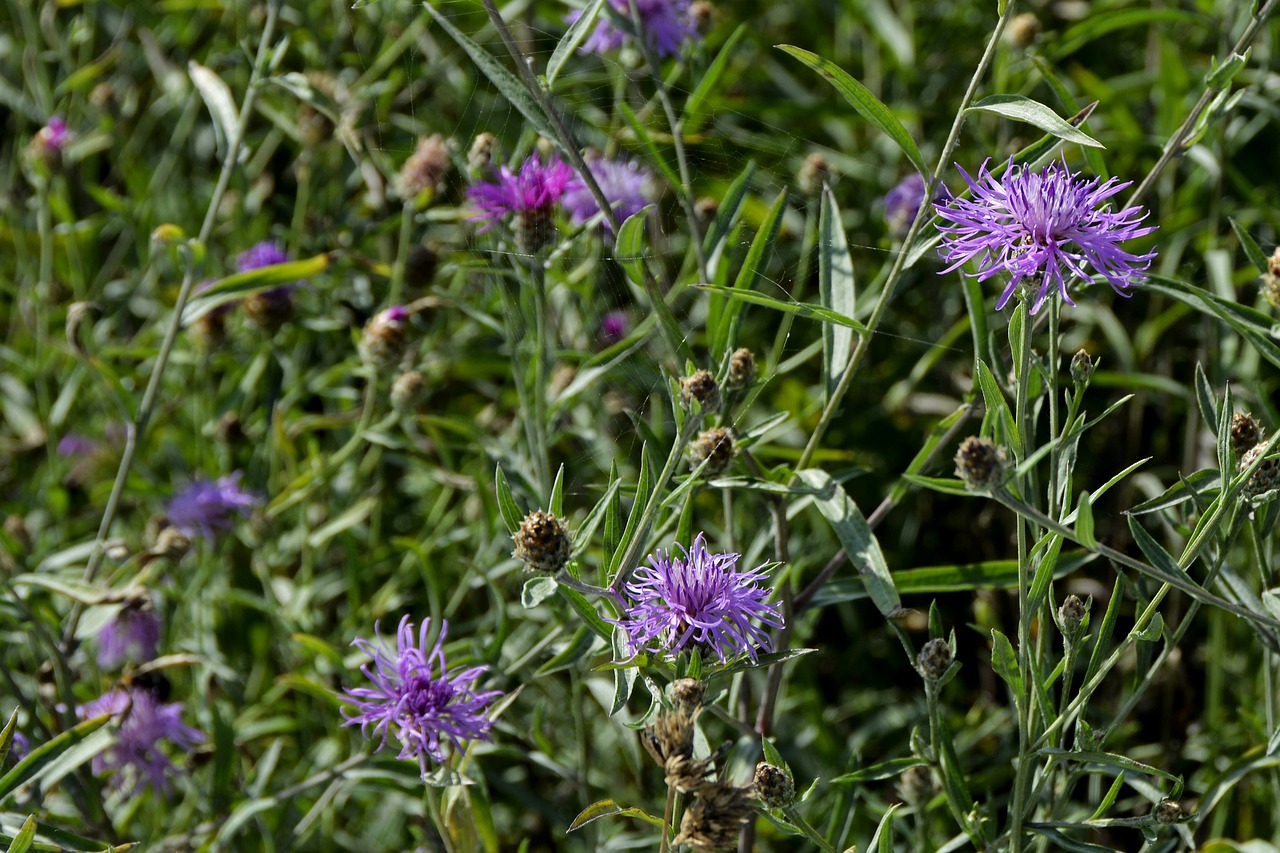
144,722
134,635
1040,224
535,190
416,699
664,24
702,599
54,136
18,747
625,186
613,326
902,203
206,507
75,444
265,254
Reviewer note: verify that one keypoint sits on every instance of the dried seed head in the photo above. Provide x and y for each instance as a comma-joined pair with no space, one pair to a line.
980,464
715,819
688,694
934,659
1273,262
385,338
1082,367
542,542
269,309
742,369
481,152
686,774
1168,812
814,174
1071,614
170,544
701,386
1245,433
915,785
425,168
409,392
1265,478
773,786
670,736
1023,30
715,447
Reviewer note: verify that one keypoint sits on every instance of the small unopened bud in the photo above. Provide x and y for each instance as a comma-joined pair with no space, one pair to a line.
409,392
425,168
715,447
385,338
706,209
814,174
715,819
229,429
1273,262
45,148
481,152
915,785
1023,30
980,464
701,13
1168,812
701,386
542,542
742,369
1265,478
688,694
1071,615
1271,288
269,309
1082,367
773,786
1245,433
934,658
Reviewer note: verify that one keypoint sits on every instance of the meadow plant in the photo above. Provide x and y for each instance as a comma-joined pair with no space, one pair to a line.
724,399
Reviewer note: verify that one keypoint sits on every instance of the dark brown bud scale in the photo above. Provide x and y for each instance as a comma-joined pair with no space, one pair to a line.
409,392
1267,475
701,386
1246,432
688,694
773,786
715,447
542,542
1168,812
980,464
934,658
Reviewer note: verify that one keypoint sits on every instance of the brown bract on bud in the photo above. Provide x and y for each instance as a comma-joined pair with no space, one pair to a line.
1273,262
1023,30
409,392
688,694
1271,289
535,228
1246,432
715,819
742,369
814,174
686,774
701,386
915,785
1082,367
773,786
1071,614
425,169
715,447
1265,478
481,152
542,542
385,338
671,735
706,209
934,658
980,464
1168,812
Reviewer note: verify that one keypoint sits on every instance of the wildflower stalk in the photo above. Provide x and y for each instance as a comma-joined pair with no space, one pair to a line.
433,796
923,215
135,431
1052,357
402,254
668,819
797,820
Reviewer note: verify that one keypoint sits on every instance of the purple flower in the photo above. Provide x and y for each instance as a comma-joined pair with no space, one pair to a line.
665,24
265,254
144,722
416,699
54,135
625,186
1036,224
700,598
902,203
75,444
18,747
532,193
613,326
134,635
205,507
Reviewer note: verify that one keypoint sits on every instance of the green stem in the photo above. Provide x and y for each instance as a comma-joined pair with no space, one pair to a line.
667,829
1052,358
402,254
1018,807
798,821
433,797
542,348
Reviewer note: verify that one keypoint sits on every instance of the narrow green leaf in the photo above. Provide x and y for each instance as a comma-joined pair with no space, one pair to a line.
1153,631
1154,552
1023,109
578,647
1099,24
555,505
761,662
695,106
998,407
1110,799
945,485
884,770
243,284
218,98
1206,399
586,531
772,755
1252,250
837,288
713,244
1004,660
925,454
801,309
76,742
630,251
1184,490
507,506
643,487
882,839
573,37
590,617
1065,842
855,537
1109,759
6,736
613,512
861,99
643,136
503,80
608,808
1102,642
1084,521
26,836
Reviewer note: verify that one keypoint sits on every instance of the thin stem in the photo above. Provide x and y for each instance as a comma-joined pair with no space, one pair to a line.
433,796
402,254
797,820
667,816
542,347
1052,359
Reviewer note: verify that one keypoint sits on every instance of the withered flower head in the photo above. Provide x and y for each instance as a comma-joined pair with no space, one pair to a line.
715,819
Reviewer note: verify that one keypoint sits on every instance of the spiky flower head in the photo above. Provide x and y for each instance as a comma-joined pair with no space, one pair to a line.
1071,614
715,819
134,635
715,447
1246,432
625,184
980,464
665,26
542,542
688,694
416,699
773,786
700,599
385,338
207,507
145,721
530,196
1168,812
1046,227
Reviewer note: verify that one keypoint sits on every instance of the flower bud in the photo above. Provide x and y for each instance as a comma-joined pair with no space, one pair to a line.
1271,288
425,168
1082,367
481,152
1265,478
1071,615
715,819
701,386
742,369
385,338
688,694
773,786
535,228
814,174
934,658
1245,433
409,392
1273,262
706,209
715,447
421,265
980,464
915,785
1023,30
542,542
1168,812
269,309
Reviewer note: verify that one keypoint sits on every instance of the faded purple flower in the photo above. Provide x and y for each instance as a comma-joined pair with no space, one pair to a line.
902,203
416,699
624,183
54,135
613,326
534,191
144,722
134,635
265,254
18,747
665,24
1040,224
75,444
205,508
702,599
